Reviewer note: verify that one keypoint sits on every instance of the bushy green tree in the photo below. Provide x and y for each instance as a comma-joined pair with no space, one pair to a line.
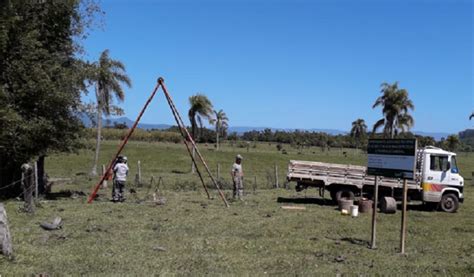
41,79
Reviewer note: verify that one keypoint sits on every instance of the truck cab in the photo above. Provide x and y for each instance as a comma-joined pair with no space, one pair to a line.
441,180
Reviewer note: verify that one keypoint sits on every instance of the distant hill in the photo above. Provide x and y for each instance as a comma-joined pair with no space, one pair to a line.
240,129
119,120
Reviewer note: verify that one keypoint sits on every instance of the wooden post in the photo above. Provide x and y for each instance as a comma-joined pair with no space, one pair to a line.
5,237
36,180
104,184
277,185
374,214
404,217
28,187
254,183
152,179
139,173
160,182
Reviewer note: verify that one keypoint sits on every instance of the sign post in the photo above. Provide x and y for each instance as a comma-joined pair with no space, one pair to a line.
393,158
374,214
404,218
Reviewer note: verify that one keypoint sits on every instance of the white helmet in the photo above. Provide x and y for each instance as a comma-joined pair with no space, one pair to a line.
124,159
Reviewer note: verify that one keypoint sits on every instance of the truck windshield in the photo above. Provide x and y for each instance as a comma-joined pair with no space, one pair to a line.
454,166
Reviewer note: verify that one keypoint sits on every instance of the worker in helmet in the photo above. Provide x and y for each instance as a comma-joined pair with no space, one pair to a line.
237,178
120,178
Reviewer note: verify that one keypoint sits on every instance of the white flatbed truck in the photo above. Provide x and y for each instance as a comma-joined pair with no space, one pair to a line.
437,183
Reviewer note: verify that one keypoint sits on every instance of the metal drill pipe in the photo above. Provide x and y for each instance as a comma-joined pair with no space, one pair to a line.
122,145
161,81
180,126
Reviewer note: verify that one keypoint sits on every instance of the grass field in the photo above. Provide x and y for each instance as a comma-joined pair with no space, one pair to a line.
191,235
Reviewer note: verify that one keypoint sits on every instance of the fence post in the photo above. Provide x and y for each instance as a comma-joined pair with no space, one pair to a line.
139,173
104,184
5,237
218,171
277,185
254,183
28,187
36,180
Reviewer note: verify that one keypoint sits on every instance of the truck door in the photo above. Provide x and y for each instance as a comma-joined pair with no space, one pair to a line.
437,177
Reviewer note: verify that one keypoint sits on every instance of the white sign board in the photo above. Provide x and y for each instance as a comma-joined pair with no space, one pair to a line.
394,158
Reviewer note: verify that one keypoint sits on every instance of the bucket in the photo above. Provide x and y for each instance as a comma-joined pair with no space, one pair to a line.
345,204
365,205
354,210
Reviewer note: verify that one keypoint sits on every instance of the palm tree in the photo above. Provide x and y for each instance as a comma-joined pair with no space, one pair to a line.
221,123
395,106
452,142
359,130
200,107
109,75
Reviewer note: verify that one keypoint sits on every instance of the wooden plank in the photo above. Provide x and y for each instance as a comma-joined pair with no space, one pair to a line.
341,174
299,208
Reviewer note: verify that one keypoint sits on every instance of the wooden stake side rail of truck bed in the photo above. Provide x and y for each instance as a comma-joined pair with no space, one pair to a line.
307,172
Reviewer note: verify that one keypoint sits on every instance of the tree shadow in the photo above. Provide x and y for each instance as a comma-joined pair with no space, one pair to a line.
356,241
64,194
417,207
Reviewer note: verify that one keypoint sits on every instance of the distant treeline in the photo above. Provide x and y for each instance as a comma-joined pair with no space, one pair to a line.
467,137
298,139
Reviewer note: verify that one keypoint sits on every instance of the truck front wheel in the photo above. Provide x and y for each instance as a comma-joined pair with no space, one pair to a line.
449,203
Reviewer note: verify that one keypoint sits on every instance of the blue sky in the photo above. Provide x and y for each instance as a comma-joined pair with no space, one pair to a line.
295,64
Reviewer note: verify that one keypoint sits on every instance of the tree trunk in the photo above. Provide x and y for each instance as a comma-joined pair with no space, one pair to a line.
217,137
193,131
28,188
99,131
41,175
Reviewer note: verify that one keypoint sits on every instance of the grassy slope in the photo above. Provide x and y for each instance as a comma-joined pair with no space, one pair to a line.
251,237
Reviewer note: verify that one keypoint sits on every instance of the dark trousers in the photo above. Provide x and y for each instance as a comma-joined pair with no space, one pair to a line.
118,193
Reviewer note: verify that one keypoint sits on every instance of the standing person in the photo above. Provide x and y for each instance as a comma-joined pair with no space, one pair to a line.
238,177
120,178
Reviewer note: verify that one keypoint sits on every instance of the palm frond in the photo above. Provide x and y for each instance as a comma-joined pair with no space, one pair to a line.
378,124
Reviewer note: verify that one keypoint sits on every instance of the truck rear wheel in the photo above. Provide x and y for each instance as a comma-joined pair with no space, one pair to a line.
449,203
344,194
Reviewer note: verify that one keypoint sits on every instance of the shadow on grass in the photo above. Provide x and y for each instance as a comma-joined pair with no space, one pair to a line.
326,202
176,171
64,194
356,241
417,207
306,200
